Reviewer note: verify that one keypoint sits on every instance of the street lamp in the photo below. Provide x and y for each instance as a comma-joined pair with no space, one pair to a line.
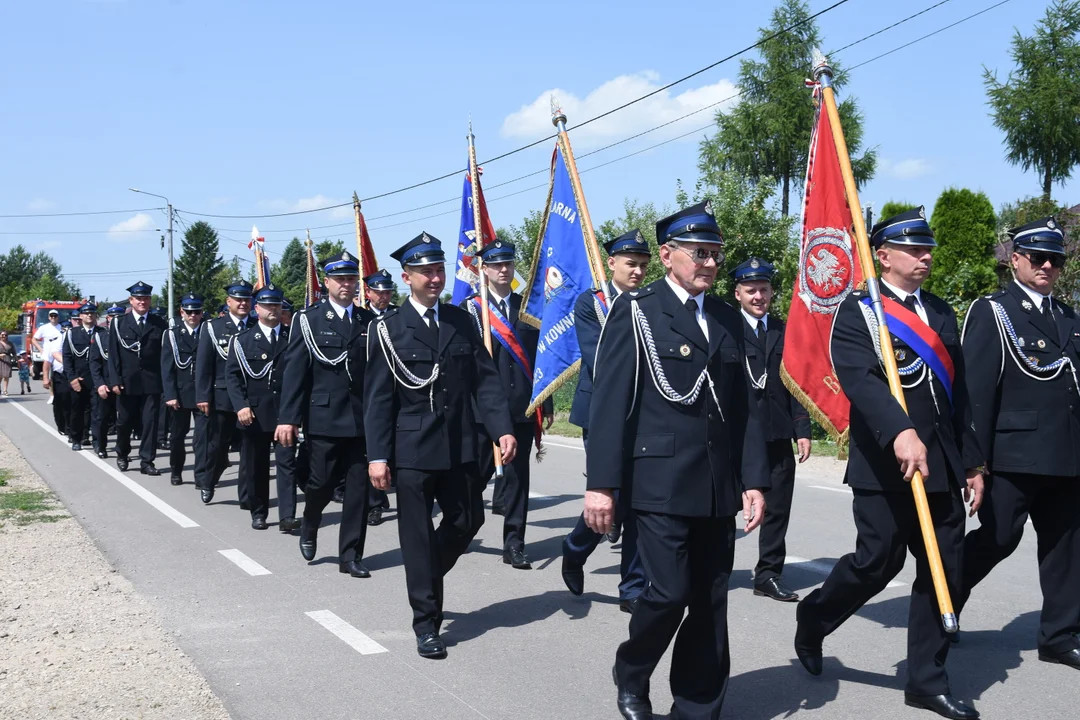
169,206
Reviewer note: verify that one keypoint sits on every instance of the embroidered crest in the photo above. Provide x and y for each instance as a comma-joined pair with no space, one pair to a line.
1041,343
1026,304
826,274
329,314
684,350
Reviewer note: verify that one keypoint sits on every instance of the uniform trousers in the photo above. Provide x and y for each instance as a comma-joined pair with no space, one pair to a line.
1054,506
429,553
255,448
515,484
772,549
181,421
286,459
377,498
582,540
333,460
61,405
81,416
688,561
164,424
888,527
220,430
141,411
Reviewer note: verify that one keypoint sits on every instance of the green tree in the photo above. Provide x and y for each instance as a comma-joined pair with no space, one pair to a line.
327,249
1038,106
199,266
636,216
18,268
965,227
289,272
891,208
767,135
525,238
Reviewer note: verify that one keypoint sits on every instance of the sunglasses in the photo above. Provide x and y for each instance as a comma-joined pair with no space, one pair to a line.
699,255
1038,259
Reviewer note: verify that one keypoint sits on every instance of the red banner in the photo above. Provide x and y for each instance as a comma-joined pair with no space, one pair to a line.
828,272
311,278
366,256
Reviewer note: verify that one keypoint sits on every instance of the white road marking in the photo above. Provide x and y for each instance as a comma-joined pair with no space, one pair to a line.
537,496
561,445
352,637
825,568
157,503
245,563
846,491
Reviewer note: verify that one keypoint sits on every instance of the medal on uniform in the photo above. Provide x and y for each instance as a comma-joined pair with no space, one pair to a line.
1034,360
1041,343
684,350
900,355
1026,304
1020,341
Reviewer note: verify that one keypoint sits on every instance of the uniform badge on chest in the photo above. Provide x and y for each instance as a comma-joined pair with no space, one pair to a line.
1041,343
684,350
901,355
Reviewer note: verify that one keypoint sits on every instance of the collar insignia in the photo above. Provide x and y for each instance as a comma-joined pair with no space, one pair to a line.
1026,304
329,314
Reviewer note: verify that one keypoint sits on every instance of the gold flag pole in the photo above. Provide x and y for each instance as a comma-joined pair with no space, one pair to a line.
307,268
359,250
823,75
478,226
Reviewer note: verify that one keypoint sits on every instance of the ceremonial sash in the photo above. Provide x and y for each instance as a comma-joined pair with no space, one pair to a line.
909,327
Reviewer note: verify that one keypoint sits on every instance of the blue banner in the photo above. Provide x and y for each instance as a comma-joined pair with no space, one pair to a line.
466,280
560,273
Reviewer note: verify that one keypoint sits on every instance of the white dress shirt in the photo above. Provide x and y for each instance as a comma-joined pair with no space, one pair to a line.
753,321
902,295
341,310
699,299
271,332
1036,297
421,309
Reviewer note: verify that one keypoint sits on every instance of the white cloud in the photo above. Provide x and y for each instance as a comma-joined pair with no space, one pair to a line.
907,169
131,229
40,205
533,121
309,203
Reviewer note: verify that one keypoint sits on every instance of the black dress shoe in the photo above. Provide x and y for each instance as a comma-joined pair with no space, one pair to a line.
149,469
339,495
1069,657
628,605
176,480
102,454
776,590
77,447
258,523
287,525
515,557
807,648
122,464
497,509
573,575
431,646
309,543
631,706
943,705
374,516
355,568
613,534
207,494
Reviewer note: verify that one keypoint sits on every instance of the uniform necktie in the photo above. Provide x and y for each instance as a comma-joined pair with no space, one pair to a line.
429,316
910,302
1048,311
502,309
761,328
142,321
272,337
691,305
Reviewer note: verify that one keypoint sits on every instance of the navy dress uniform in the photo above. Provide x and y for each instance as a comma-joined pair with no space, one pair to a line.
164,411
426,369
99,372
135,366
254,381
323,391
81,345
590,314
782,419
670,426
179,350
1023,350
512,492
885,516
215,341
377,499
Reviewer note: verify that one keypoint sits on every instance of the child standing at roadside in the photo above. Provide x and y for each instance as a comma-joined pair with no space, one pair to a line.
24,373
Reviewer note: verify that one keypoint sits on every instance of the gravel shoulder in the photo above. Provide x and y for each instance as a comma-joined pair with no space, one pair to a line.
76,639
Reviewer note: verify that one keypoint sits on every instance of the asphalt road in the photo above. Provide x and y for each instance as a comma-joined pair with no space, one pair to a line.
279,638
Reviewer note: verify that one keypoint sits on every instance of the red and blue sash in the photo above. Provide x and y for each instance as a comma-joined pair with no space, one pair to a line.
905,324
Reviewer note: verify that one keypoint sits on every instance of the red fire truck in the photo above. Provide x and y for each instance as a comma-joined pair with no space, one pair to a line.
35,313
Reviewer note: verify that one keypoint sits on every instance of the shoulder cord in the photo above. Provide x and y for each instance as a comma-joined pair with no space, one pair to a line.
596,366
101,349
246,368
76,353
643,336
475,316
758,383
411,381
601,314
315,352
223,354
918,366
176,351
135,347
1042,373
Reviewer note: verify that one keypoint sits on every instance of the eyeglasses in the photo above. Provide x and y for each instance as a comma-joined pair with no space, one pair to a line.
699,254
1038,259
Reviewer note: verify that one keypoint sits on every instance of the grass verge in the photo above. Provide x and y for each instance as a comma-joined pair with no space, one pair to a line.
24,507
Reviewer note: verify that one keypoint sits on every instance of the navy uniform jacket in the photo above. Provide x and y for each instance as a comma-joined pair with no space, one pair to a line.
876,418
326,399
517,386
1024,425
138,372
781,415
262,395
83,342
690,460
215,338
431,428
179,383
99,364
587,326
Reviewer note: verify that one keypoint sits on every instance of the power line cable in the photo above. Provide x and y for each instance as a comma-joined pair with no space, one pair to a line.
91,212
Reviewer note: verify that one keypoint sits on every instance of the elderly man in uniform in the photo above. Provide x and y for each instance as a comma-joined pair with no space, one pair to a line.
135,371
888,445
428,372
380,296
179,350
515,371
323,390
254,374
782,418
1023,350
670,425
628,260
212,391
86,416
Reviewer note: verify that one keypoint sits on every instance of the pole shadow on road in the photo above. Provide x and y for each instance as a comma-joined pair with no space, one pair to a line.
517,612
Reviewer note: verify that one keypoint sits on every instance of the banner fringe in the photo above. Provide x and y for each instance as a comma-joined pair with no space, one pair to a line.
840,438
554,386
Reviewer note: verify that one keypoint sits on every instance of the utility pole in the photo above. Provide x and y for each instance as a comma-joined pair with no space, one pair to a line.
169,209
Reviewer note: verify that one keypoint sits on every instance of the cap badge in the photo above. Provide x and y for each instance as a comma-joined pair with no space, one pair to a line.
1026,304
638,239
424,237
498,244
755,264
684,350
901,355
708,208
922,212
1041,343
1051,224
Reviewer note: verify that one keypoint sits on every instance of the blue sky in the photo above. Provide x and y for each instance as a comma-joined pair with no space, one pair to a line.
242,107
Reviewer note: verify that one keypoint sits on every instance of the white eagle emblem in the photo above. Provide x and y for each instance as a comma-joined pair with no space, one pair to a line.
824,270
